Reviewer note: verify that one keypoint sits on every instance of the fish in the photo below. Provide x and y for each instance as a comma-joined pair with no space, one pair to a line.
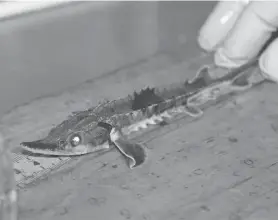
109,124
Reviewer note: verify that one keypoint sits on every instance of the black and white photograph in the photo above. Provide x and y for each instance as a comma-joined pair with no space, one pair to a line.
138,110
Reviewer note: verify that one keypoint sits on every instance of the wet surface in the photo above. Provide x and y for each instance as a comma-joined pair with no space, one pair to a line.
221,166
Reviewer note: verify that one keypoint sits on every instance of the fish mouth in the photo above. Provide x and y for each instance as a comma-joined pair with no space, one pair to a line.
40,147
51,149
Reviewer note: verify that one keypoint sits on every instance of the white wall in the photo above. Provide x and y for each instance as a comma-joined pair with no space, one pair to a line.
46,52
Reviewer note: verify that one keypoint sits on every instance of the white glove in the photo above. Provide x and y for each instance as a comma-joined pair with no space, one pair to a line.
238,30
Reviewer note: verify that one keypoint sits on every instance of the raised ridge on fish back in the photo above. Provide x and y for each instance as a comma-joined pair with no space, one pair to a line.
80,134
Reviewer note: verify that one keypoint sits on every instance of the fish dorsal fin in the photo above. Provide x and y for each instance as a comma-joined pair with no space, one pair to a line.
145,98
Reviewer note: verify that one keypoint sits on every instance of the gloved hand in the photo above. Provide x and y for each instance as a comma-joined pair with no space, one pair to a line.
238,30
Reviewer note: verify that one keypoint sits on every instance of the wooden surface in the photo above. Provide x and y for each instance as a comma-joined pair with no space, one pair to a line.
222,166
33,121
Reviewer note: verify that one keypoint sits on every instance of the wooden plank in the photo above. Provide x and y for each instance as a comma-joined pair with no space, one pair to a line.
34,120
222,166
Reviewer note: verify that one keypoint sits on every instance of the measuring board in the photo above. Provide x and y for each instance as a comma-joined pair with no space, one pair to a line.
28,169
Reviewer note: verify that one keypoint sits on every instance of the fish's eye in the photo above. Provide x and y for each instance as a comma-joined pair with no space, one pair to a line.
75,140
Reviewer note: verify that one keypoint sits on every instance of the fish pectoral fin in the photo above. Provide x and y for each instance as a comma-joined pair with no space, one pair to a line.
134,152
